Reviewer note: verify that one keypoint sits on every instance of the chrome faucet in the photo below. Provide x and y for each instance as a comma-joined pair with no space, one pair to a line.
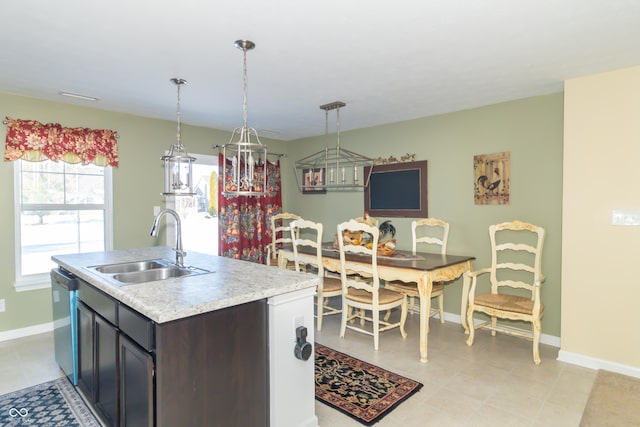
180,254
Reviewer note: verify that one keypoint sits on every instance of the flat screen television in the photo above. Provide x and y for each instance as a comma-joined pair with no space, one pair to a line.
397,190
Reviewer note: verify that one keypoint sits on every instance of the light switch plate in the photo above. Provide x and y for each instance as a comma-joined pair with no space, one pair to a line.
625,218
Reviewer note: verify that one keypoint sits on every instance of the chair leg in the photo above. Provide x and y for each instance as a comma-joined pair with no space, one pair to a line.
471,326
346,310
494,323
441,305
403,317
376,328
387,316
536,340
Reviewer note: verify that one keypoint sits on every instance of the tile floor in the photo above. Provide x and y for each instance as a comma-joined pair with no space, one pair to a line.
493,383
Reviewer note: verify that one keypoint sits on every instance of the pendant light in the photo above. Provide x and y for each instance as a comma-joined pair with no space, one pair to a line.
244,178
178,176
339,168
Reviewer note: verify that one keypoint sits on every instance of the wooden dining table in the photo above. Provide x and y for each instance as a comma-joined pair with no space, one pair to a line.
422,268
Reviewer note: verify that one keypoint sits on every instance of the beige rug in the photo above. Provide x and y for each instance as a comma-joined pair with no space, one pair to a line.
614,401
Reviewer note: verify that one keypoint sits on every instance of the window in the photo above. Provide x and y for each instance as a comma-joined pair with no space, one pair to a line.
60,208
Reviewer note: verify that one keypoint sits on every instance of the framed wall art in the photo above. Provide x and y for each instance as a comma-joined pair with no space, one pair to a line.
492,179
314,181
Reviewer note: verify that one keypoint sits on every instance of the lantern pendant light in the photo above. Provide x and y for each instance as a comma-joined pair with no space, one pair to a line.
243,178
339,168
178,176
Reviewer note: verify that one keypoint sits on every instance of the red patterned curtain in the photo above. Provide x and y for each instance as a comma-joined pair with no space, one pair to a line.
243,221
31,140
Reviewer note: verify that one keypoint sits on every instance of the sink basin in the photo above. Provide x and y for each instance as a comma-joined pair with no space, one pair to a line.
128,267
152,275
144,271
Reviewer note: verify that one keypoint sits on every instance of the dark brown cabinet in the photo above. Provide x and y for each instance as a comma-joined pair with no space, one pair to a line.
136,384
106,370
211,369
86,320
115,373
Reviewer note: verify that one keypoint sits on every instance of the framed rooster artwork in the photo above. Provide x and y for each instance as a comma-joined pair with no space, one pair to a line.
492,179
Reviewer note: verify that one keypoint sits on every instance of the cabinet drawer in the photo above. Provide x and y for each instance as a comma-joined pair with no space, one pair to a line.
136,326
102,303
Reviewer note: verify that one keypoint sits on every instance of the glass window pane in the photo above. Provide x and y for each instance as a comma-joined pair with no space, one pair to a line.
84,189
47,233
42,187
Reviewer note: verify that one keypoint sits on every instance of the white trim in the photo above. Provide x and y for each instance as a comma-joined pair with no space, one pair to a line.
593,363
25,332
41,281
33,283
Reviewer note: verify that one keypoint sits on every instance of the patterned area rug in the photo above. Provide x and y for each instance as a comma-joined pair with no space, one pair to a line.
362,391
52,404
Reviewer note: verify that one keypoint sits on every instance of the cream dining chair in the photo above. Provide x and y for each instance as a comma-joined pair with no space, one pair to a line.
280,236
429,233
516,259
364,295
309,234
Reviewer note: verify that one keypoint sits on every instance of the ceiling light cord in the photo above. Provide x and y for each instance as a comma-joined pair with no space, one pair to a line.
179,82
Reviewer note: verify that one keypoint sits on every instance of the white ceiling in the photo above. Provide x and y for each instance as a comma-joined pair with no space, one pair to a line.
389,61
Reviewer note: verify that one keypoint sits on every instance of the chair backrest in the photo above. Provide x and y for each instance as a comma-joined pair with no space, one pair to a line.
516,256
280,232
367,270
309,234
431,231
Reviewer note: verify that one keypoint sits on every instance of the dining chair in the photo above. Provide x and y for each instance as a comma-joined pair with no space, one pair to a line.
516,259
280,237
366,295
308,234
431,234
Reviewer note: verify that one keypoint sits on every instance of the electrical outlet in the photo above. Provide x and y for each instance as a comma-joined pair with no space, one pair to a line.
3,306
299,321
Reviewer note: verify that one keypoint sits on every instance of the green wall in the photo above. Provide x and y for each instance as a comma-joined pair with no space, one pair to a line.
530,129
137,184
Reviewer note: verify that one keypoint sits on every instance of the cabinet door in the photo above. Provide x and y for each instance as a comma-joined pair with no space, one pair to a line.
85,351
106,370
136,385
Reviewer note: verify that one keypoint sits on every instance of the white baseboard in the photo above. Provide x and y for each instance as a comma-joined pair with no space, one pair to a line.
593,363
25,332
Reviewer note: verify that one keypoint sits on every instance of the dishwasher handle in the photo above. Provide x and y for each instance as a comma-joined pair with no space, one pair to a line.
64,279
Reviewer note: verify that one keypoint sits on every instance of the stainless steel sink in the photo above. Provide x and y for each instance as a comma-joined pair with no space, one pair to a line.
128,267
153,275
144,271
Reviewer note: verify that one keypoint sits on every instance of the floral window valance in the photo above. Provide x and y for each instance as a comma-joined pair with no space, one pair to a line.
31,140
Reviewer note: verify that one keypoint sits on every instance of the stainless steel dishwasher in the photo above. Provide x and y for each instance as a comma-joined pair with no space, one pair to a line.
64,294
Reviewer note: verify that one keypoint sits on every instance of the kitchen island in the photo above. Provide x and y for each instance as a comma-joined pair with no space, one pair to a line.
204,349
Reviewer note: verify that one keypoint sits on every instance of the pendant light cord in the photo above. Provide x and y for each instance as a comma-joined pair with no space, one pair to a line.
178,83
244,88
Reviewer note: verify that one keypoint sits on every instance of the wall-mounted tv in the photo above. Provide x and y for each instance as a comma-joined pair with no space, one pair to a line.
397,190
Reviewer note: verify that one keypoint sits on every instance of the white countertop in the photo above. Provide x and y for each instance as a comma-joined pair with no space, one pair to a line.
231,282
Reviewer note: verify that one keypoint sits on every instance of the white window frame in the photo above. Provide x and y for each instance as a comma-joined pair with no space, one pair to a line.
43,281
